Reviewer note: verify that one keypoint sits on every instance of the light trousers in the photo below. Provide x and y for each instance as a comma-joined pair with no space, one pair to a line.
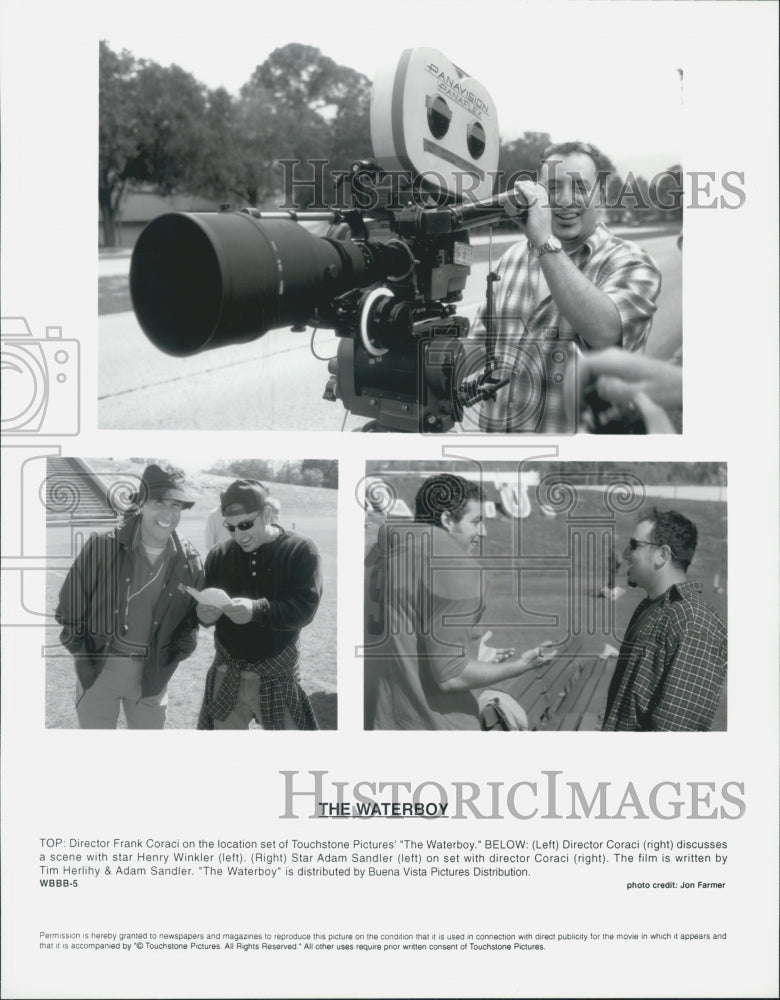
118,686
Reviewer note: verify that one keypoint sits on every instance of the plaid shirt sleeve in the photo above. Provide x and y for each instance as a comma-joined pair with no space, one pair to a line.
696,664
633,282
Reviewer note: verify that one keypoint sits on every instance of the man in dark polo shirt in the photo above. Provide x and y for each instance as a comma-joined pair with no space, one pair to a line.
126,615
273,583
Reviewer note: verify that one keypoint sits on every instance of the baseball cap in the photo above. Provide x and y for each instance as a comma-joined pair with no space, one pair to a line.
246,493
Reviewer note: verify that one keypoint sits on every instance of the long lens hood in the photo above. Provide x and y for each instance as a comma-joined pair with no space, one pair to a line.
205,280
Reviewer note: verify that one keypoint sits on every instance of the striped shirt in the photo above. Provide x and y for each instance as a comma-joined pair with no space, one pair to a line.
534,342
671,667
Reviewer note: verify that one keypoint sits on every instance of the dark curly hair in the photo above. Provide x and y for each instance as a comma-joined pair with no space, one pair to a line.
566,148
675,530
445,493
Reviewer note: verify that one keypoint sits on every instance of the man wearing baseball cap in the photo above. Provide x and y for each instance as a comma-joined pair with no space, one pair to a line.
125,615
215,530
272,582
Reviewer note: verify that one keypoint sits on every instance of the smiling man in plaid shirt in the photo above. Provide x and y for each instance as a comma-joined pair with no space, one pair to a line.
570,285
672,662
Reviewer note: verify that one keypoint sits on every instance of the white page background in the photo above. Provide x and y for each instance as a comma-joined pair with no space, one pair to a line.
180,784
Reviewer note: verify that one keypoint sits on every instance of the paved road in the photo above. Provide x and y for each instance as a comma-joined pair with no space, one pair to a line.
275,383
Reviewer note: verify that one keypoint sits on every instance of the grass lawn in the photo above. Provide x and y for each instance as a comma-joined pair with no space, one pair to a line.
543,574
307,510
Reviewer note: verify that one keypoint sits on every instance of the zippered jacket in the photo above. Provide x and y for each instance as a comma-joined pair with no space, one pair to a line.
96,588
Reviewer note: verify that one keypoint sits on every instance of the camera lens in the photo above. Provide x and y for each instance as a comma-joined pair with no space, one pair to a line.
200,280
204,280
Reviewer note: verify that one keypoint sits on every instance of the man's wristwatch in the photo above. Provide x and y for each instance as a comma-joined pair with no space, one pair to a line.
551,245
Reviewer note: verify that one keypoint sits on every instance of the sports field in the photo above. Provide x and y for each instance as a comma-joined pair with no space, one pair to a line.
310,511
543,575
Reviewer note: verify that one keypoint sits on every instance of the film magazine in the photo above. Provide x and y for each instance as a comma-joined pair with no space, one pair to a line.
373,847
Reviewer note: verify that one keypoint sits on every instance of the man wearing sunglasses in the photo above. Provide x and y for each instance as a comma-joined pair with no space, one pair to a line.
672,661
571,285
215,530
273,582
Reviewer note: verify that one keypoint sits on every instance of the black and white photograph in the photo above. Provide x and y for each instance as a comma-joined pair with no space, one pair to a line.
204,600
393,233
572,597
487,294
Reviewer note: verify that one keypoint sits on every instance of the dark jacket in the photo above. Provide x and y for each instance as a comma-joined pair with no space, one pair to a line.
284,580
94,590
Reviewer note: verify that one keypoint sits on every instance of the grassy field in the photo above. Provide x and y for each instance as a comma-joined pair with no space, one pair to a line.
307,510
543,574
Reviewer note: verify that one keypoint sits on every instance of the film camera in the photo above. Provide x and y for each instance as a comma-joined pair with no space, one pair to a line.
387,279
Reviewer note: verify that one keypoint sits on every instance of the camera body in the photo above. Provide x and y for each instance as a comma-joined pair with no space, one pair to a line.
431,119
388,275
40,380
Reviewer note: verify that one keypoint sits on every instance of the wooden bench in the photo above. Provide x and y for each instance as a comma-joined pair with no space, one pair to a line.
569,694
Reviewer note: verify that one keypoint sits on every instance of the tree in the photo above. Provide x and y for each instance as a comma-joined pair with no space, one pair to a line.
244,468
326,468
311,477
263,135
162,128
288,472
348,104
666,191
629,200
521,155
212,172
116,143
300,104
171,107
150,130
299,77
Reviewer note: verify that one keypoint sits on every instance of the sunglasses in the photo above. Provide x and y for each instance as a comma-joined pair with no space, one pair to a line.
241,526
634,543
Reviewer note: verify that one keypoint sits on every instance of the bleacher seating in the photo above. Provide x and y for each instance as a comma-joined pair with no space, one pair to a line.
568,694
74,493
